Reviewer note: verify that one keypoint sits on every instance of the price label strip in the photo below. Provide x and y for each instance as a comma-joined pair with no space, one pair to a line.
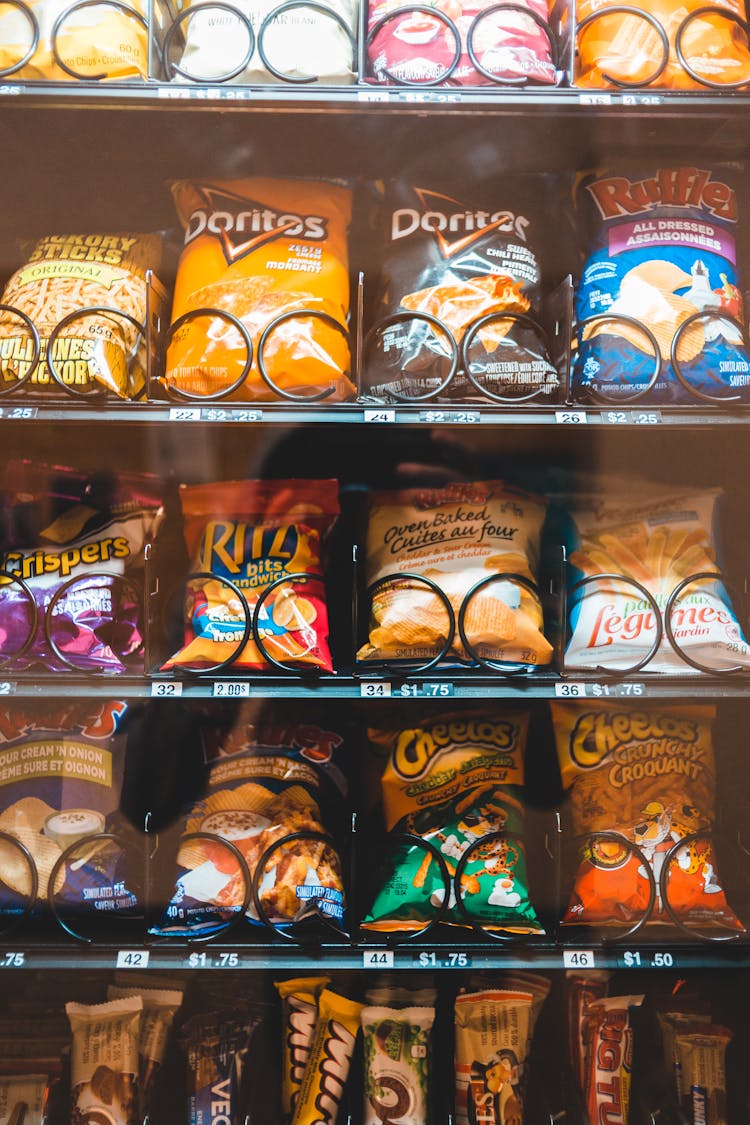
631,417
375,689
7,687
166,689
383,416
231,689
217,414
18,413
450,417
578,959
12,960
571,417
378,959
184,414
570,690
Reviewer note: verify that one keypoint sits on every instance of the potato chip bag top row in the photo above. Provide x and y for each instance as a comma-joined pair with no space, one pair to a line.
647,774
661,247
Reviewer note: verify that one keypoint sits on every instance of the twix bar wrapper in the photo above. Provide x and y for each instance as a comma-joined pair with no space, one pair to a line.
331,1053
299,998
23,1099
608,1039
701,1053
159,1009
104,1062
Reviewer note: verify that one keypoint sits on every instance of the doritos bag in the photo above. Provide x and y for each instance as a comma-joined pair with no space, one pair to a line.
253,533
418,48
262,786
258,249
61,774
456,537
658,536
66,274
101,41
660,249
59,527
444,258
454,779
625,47
649,775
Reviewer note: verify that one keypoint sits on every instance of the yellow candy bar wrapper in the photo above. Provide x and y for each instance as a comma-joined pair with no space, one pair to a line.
299,999
330,1058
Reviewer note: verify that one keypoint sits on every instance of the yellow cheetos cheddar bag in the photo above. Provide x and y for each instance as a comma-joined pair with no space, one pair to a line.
258,250
244,536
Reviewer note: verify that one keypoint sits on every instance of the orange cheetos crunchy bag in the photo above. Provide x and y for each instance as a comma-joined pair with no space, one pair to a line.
257,250
250,534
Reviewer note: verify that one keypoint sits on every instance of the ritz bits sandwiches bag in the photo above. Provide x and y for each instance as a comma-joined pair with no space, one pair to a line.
78,538
253,533
625,47
65,274
454,780
258,249
455,536
649,776
450,259
97,42
417,47
661,248
658,536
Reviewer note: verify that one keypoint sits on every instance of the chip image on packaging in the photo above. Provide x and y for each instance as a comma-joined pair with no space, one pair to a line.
261,251
662,280
646,775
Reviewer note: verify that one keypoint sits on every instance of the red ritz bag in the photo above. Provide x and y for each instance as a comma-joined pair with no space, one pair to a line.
418,48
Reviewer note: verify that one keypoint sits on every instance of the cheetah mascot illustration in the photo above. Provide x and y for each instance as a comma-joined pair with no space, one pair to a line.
659,830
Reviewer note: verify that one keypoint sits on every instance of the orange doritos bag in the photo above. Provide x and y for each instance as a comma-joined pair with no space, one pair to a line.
252,533
629,49
258,249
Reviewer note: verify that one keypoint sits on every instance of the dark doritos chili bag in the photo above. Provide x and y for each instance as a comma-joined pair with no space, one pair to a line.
71,563
446,260
661,253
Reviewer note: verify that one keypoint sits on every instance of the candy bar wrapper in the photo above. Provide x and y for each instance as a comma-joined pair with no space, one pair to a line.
299,1000
331,1053
397,997
397,1064
701,1052
674,1016
217,1045
493,1034
159,1009
23,1099
104,1063
608,1040
583,990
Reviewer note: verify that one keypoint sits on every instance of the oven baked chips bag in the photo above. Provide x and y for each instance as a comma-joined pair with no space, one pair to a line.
455,536
444,258
63,274
453,779
627,47
660,248
253,533
647,774
257,249
658,535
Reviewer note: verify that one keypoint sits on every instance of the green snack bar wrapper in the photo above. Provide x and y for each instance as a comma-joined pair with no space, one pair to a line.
456,780
397,1065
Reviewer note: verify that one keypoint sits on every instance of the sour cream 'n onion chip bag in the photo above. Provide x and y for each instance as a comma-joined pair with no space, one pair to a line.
648,774
257,249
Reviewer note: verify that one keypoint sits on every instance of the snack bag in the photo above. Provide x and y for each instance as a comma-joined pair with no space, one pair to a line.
456,536
97,42
330,1058
446,259
259,249
61,774
104,1061
299,1000
63,274
625,47
301,44
659,536
452,780
398,1049
660,248
648,775
254,533
419,48
257,795
61,528
608,1038
494,1029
